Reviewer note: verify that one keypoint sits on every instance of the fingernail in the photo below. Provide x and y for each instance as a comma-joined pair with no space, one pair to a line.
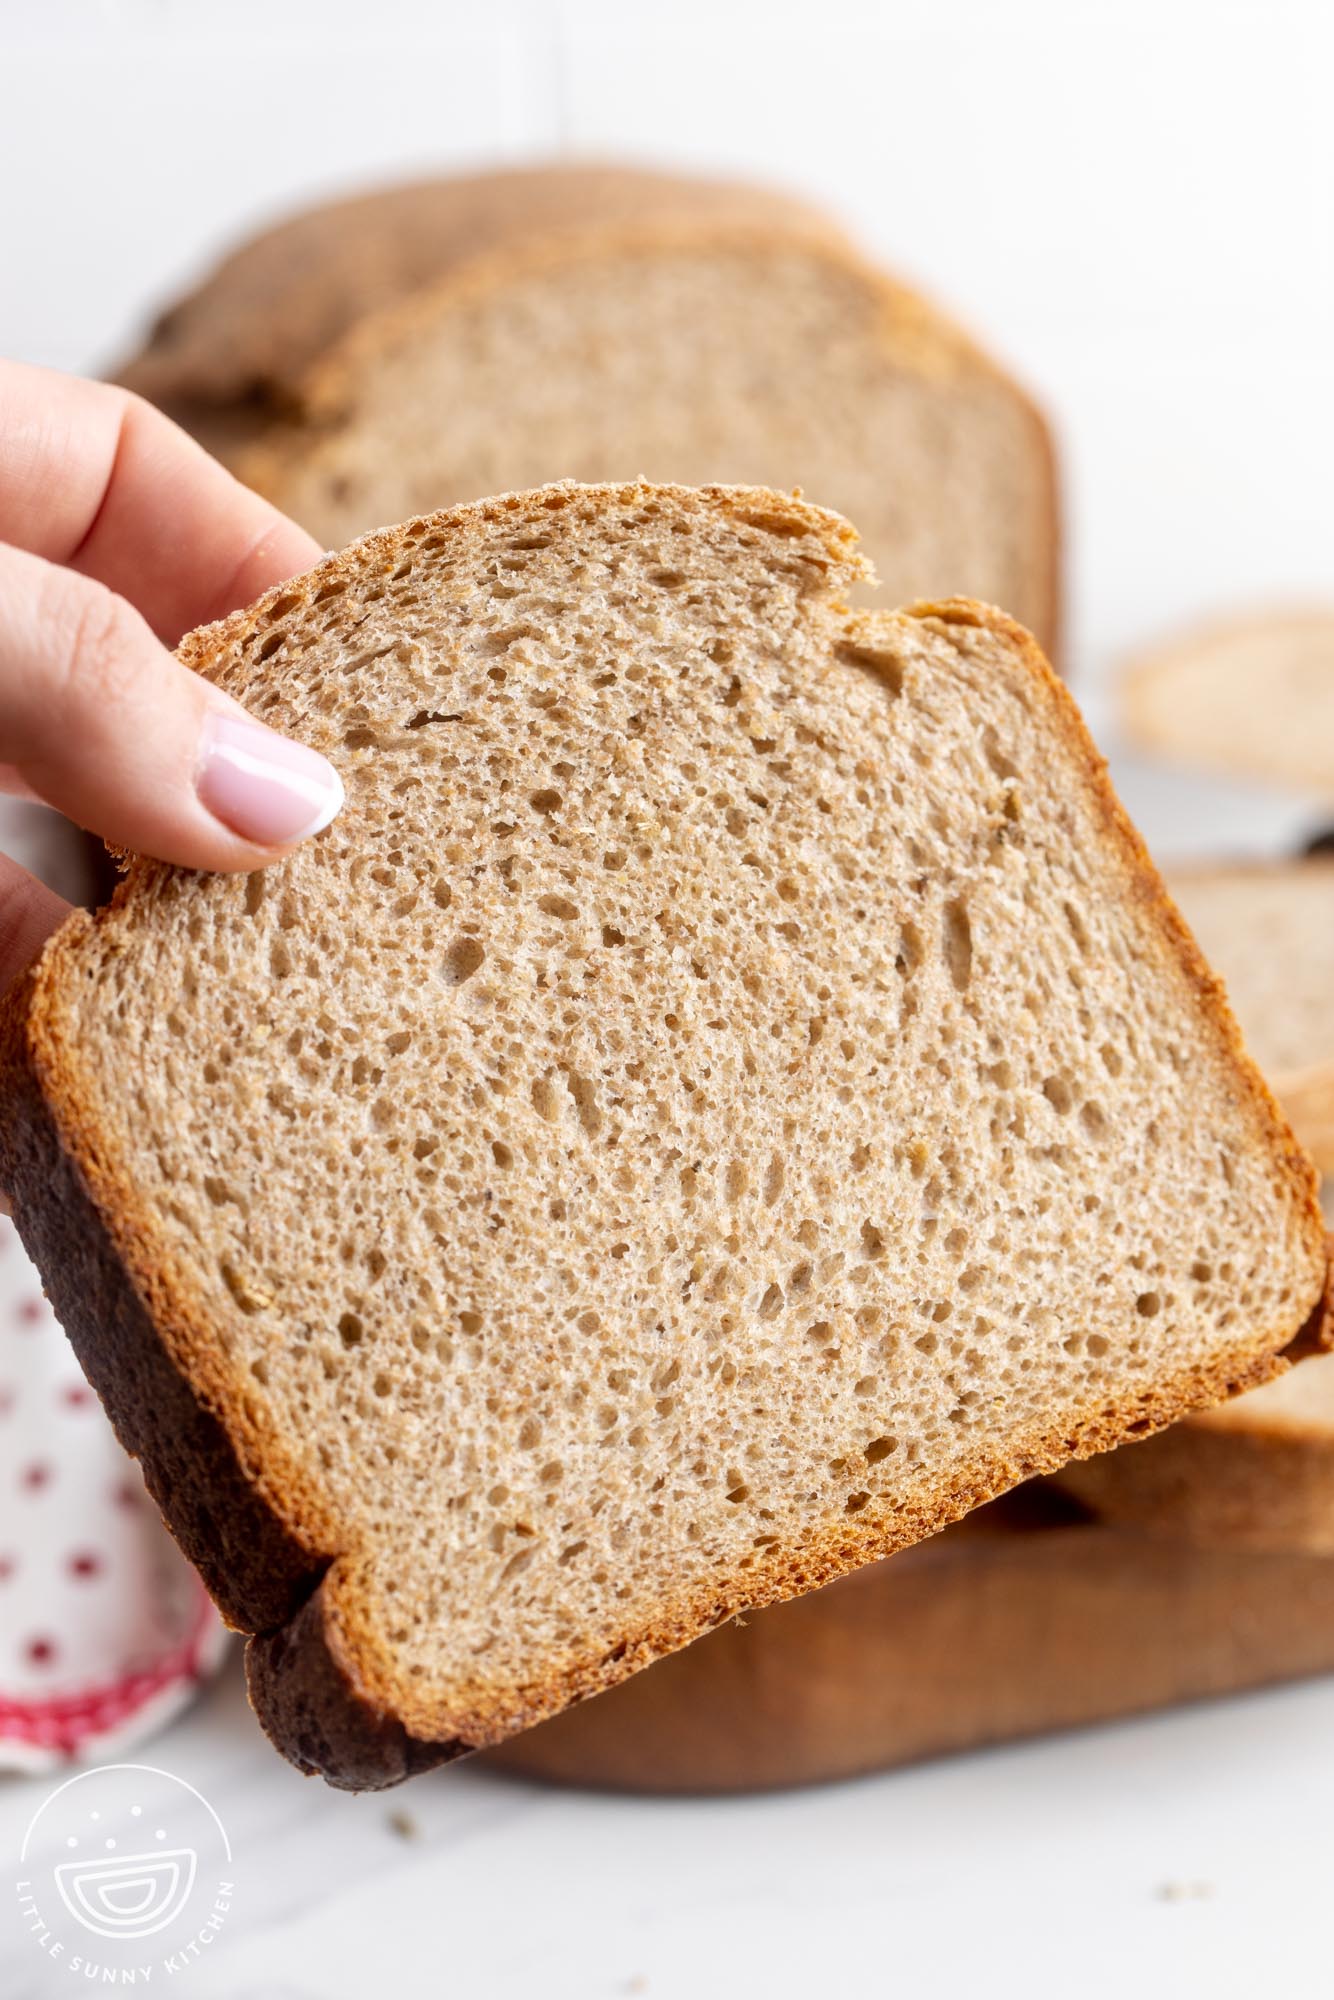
263,786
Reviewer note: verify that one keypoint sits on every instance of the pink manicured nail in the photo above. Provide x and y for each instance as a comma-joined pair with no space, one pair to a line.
263,786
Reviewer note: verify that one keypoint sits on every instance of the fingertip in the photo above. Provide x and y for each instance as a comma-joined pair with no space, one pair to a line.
327,813
266,789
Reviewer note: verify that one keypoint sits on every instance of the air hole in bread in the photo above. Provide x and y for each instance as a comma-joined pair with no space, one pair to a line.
958,938
465,957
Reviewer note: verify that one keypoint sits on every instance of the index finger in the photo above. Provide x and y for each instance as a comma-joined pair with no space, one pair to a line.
94,478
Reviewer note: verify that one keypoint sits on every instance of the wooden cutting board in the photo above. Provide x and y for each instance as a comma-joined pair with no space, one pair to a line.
1028,1617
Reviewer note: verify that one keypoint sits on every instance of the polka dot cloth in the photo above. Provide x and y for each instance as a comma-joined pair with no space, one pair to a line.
105,1630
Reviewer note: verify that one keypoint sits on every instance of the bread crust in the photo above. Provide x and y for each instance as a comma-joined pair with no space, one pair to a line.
257,1570
322,1682
1250,1474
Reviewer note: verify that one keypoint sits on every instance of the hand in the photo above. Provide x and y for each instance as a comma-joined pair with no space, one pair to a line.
118,534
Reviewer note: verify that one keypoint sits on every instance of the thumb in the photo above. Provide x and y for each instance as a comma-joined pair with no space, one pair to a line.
98,719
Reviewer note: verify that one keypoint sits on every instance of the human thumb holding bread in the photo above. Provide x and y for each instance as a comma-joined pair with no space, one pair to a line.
117,534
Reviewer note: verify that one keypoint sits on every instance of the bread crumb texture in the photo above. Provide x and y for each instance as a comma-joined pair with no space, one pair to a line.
726,1095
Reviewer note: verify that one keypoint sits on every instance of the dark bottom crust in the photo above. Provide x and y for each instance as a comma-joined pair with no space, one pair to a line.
310,1711
255,1570
267,1583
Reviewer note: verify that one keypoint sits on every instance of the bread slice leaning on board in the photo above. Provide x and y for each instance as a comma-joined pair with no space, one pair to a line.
1026,1618
1259,1470
430,344
1252,696
712,1109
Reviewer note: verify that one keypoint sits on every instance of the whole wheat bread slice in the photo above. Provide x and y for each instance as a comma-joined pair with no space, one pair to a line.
1252,696
243,342
431,344
728,1095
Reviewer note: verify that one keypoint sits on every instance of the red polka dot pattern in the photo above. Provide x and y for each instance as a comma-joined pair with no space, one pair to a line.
104,1629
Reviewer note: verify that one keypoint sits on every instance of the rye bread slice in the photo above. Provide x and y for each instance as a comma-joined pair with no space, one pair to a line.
728,1095
425,345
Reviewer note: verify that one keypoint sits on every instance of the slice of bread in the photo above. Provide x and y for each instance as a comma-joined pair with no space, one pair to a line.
1267,929
1252,696
728,1095
433,344
1024,1618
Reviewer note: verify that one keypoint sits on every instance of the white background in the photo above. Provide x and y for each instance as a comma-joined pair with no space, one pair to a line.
1133,202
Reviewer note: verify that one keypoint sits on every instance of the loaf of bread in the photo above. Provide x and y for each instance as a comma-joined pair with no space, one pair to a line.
426,345
728,1095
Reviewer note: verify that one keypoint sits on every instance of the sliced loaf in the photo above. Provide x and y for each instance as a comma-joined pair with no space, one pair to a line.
431,344
728,1095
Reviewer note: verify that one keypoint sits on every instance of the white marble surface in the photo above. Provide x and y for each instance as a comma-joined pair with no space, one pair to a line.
1135,201
1179,1856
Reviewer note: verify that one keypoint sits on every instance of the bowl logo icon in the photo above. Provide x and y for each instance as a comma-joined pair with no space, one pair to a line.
132,1897
125,1870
